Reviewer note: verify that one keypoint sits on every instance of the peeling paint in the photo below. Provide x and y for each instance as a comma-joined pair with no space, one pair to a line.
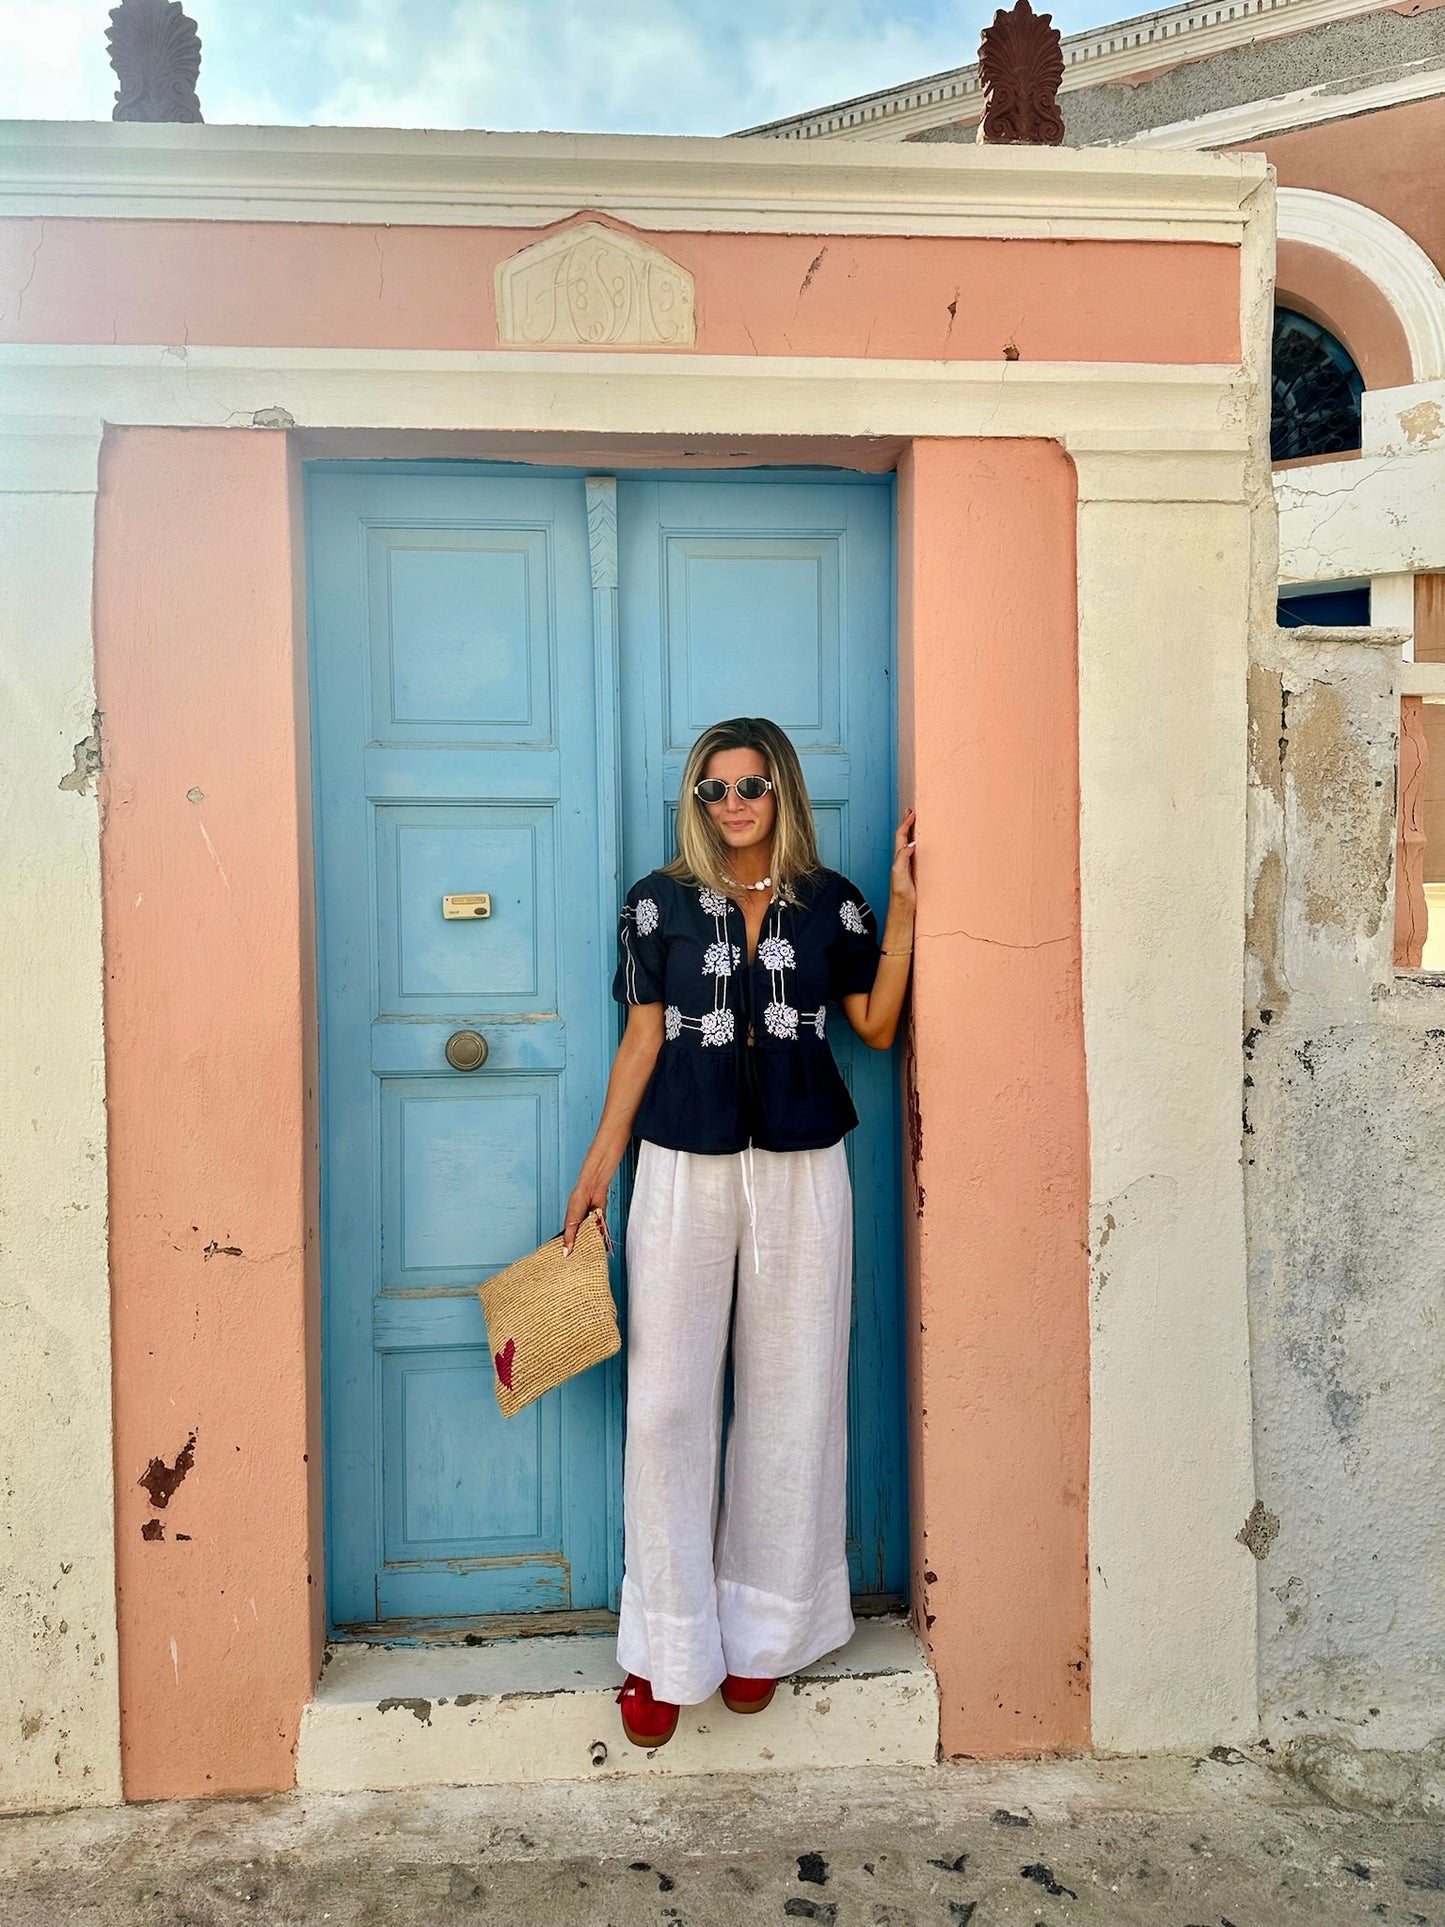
1106,1231
89,760
1260,1530
1332,776
418,1708
1293,1597
160,1480
813,267
914,1109
1262,925
1267,708
1424,424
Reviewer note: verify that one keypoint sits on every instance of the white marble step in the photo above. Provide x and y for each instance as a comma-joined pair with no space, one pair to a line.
543,1709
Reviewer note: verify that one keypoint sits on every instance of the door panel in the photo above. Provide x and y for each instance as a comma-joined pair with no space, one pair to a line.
506,962
725,613
461,644
456,742
772,595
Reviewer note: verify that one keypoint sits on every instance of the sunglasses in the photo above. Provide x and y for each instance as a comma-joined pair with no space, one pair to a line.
712,789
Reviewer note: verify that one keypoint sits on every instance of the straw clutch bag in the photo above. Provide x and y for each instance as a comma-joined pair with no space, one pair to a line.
550,1317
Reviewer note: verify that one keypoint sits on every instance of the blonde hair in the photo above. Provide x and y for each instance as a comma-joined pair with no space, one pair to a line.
702,855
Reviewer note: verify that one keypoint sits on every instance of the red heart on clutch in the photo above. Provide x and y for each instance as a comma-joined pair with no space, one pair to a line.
504,1362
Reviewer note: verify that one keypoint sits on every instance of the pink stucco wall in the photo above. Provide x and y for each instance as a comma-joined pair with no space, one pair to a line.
205,848
998,1264
292,285
208,1008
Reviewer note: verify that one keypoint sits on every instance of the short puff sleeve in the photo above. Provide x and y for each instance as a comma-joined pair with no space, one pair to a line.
641,948
853,952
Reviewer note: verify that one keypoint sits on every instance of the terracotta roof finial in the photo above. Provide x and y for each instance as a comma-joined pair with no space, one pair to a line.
156,53
1020,65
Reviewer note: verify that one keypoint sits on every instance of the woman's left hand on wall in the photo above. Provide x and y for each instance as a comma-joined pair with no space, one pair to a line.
902,890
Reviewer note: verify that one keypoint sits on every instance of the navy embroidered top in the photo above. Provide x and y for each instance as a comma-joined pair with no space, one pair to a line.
684,947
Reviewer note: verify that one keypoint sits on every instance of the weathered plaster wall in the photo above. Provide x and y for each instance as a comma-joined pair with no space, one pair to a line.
1345,1187
59,1739
298,285
1376,515
207,1003
999,1136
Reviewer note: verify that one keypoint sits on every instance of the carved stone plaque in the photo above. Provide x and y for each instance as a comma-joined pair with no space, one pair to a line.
591,287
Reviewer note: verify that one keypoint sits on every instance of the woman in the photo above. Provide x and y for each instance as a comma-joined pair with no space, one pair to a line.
728,957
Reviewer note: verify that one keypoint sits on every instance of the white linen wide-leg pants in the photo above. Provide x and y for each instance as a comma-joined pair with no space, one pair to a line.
758,1587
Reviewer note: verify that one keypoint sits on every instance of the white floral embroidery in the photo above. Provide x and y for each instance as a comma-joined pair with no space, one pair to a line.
672,1021
850,916
646,916
717,1026
776,953
781,1019
712,903
819,1019
718,960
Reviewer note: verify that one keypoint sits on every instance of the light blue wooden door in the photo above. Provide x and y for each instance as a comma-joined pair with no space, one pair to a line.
458,705
772,595
478,728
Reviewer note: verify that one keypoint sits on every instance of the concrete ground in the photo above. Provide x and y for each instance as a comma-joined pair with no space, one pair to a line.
1169,1841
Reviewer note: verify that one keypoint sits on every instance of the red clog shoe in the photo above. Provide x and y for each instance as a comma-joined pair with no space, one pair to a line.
747,1695
645,1721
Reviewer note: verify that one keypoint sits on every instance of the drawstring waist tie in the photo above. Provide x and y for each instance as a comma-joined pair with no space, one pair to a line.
750,1199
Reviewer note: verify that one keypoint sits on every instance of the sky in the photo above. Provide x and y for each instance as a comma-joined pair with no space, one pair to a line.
588,66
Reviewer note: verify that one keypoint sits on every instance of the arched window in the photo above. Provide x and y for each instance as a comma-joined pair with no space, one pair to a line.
1315,392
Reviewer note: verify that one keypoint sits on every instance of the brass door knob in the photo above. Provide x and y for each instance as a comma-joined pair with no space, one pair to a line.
466,1050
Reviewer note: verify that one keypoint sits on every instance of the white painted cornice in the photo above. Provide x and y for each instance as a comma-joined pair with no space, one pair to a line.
1131,47
1113,413
1307,107
101,169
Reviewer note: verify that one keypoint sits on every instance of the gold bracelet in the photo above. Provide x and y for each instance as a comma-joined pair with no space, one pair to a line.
897,953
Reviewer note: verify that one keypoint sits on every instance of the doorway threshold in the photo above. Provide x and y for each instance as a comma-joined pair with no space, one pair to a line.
387,1717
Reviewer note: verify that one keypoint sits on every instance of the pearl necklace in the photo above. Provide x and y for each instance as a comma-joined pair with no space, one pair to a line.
766,884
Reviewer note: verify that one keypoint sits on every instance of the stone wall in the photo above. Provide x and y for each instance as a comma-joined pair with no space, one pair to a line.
1370,48
1344,1152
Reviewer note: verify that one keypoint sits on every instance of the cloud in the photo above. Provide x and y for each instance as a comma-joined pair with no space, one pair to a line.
55,65
651,66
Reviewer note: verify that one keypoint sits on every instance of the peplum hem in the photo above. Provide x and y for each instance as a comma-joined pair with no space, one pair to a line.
789,1098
